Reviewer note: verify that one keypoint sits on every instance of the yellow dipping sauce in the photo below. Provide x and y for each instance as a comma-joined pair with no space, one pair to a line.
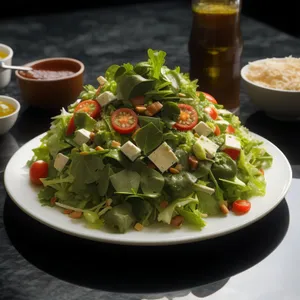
6,109
2,54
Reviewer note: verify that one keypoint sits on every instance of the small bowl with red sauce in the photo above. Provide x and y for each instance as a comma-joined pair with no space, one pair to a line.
52,83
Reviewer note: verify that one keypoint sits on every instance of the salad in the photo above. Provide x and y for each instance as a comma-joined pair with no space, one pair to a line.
146,146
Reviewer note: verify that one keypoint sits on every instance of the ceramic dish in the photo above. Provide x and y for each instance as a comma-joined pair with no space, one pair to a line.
17,184
7,122
278,104
54,83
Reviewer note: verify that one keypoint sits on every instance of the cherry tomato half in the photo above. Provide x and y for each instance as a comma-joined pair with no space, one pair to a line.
233,153
208,97
188,117
230,129
39,169
217,130
71,127
91,107
211,111
241,206
124,120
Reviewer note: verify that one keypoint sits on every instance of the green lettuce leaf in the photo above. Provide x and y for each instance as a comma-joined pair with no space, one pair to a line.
179,185
156,61
167,214
46,194
152,182
126,181
120,217
40,153
191,215
208,204
83,120
148,138
141,209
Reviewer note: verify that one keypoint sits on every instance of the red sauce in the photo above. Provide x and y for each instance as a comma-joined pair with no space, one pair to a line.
52,69
46,74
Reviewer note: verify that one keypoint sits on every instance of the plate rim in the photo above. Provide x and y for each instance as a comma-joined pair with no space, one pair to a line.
168,241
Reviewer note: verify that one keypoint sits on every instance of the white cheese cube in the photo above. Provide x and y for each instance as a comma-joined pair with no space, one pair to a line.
131,150
105,98
82,136
209,146
206,189
231,142
224,112
101,80
163,157
202,129
60,161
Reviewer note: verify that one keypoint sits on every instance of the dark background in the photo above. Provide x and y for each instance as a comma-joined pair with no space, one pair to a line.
283,15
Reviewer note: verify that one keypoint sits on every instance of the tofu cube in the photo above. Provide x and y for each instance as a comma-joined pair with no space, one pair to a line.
163,157
202,129
131,150
231,142
82,136
60,161
209,146
101,80
105,98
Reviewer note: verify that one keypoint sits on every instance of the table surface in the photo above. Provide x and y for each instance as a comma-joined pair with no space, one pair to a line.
37,262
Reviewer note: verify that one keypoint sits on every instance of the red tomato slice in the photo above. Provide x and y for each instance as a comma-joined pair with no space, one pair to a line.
217,130
211,111
39,169
241,206
71,127
208,97
230,129
233,153
188,117
139,100
124,120
91,107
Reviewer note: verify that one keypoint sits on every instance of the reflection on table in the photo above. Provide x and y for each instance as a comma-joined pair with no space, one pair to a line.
141,269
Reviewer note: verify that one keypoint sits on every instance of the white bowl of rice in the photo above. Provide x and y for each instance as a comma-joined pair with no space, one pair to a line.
273,85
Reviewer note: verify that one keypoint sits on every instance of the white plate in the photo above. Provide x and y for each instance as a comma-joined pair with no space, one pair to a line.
24,194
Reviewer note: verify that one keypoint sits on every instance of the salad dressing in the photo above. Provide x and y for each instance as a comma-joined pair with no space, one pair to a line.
50,70
6,109
215,48
3,54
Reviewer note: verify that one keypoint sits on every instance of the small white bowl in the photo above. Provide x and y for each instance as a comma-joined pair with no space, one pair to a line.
7,122
5,75
278,104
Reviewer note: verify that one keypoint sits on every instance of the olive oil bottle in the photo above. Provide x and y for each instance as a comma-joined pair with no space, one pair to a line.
215,48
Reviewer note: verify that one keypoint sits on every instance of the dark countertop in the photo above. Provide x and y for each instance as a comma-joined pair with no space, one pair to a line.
28,268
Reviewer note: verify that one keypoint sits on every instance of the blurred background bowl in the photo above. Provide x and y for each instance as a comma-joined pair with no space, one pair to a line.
5,75
276,103
52,93
7,122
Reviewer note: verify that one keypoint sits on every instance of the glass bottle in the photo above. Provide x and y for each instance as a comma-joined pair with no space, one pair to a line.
215,48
